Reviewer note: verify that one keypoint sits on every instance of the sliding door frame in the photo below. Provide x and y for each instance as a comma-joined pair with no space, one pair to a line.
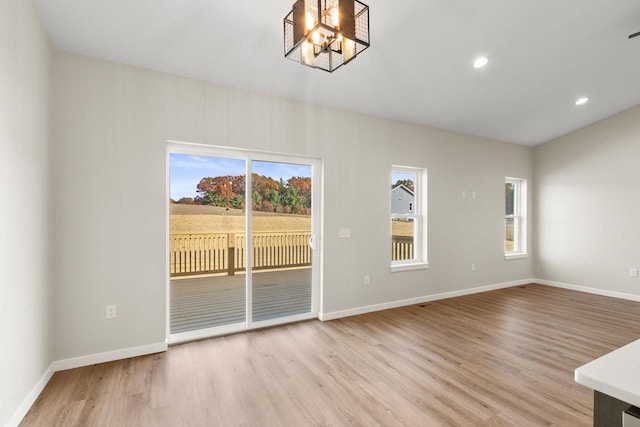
177,147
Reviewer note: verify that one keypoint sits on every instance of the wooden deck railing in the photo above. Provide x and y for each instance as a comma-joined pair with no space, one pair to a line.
401,248
211,253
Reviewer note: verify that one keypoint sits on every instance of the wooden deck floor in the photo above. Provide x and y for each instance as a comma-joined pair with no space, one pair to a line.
205,302
500,358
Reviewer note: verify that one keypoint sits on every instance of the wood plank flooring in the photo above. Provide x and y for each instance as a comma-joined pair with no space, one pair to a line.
500,358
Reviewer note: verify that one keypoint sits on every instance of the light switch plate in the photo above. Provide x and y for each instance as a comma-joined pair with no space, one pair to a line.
344,233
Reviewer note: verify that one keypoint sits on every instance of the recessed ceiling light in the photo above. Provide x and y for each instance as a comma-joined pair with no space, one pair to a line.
582,101
480,62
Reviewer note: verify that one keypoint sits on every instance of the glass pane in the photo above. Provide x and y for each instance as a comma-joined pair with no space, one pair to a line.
509,192
402,189
281,228
509,235
402,239
207,240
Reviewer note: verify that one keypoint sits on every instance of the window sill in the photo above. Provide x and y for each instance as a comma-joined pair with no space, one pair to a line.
516,256
407,267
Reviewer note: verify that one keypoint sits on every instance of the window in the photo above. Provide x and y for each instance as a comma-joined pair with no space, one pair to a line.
515,218
408,244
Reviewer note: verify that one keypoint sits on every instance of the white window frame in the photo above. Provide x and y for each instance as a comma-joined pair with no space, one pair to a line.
419,217
519,219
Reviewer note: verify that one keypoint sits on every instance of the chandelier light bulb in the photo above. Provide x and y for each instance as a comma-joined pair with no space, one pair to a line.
335,17
348,49
310,20
307,56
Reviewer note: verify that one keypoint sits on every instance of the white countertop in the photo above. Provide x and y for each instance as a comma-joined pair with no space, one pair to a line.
616,374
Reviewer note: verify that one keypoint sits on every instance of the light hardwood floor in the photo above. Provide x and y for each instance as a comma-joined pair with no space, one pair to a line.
501,358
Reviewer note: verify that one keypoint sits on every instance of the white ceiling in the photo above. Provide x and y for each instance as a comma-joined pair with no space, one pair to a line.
543,54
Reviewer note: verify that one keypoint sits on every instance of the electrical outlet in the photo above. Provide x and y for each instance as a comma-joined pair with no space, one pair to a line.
473,267
111,312
633,272
367,280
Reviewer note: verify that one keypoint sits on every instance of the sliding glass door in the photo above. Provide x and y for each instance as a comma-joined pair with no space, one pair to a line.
241,240
282,239
207,220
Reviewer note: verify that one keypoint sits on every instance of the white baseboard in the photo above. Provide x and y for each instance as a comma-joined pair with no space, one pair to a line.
418,300
595,291
30,399
109,356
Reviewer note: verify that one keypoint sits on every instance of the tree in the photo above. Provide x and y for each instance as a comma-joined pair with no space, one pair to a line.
266,206
509,198
267,194
292,198
282,189
257,198
303,187
216,191
237,201
274,198
238,184
185,201
263,184
406,182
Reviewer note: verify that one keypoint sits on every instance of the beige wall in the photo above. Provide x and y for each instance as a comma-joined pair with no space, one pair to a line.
587,203
111,124
26,288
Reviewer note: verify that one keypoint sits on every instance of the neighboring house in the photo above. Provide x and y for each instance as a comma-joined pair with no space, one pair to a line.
402,200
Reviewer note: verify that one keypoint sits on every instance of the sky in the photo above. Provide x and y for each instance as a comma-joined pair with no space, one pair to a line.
187,170
396,176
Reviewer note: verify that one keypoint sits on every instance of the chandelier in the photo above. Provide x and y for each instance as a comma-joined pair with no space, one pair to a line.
326,34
